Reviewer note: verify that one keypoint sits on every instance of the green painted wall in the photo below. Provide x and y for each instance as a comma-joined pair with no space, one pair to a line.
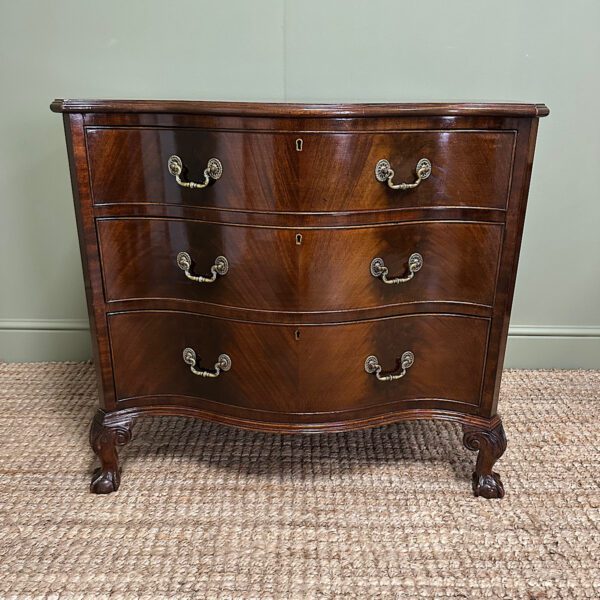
301,50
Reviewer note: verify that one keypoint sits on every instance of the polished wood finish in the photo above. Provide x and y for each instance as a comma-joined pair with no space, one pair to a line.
333,172
299,270
105,438
285,109
490,444
299,311
313,370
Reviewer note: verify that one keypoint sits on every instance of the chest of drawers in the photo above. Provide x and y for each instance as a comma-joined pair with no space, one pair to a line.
299,268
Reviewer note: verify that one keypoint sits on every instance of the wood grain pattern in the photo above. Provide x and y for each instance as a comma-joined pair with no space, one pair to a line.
307,369
509,259
323,270
299,317
334,171
303,122
90,256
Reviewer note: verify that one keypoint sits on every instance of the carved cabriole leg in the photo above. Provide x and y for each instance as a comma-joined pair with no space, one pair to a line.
491,444
105,437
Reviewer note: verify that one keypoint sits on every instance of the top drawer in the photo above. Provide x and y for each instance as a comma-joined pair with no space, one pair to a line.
300,171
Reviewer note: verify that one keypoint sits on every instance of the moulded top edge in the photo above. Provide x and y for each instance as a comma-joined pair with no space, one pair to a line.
268,109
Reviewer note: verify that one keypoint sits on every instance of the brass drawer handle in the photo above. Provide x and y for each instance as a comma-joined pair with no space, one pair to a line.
378,269
221,266
384,172
223,364
406,362
214,170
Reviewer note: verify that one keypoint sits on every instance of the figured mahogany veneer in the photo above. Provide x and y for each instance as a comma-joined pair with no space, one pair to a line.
299,335
322,270
332,172
317,371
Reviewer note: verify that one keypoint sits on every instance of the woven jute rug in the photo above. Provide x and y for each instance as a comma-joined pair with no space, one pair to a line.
206,511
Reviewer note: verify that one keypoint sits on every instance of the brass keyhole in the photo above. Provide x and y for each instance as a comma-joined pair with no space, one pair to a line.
299,144
297,334
298,239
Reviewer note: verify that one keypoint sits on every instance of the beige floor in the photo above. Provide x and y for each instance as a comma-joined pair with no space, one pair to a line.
206,511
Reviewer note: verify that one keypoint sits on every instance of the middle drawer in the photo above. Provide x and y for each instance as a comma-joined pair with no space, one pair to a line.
299,270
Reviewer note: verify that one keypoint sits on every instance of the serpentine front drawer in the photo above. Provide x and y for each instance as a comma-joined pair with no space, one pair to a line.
314,371
298,270
331,172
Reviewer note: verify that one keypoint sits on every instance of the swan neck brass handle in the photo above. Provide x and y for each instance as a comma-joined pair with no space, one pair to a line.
213,171
378,269
384,172
223,364
406,361
221,267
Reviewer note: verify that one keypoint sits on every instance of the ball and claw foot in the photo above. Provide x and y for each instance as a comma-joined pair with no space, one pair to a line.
488,486
105,482
105,437
490,444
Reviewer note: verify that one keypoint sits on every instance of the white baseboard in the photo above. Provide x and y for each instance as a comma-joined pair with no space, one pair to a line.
529,347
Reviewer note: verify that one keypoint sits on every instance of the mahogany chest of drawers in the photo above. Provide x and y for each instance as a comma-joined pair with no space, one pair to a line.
299,268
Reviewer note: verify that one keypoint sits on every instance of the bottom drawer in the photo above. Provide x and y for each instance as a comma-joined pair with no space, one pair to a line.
289,370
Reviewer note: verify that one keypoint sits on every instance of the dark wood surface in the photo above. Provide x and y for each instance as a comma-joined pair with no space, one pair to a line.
278,109
334,172
298,316
491,444
316,371
273,269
